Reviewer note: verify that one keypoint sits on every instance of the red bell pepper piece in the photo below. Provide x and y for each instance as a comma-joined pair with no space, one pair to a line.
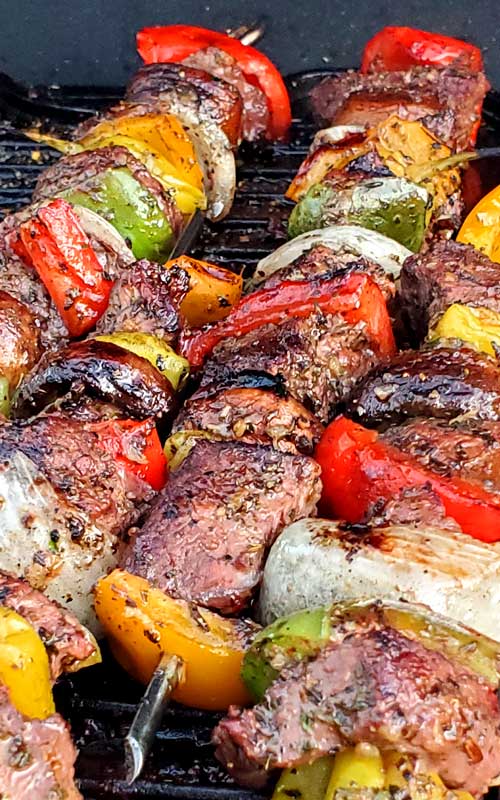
358,470
136,445
400,48
54,243
357,297
177,42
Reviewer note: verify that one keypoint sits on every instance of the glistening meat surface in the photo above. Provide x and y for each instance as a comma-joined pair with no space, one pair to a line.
446,273
36,756
318,360
66,640
251,415
377,687
446,100
443,381
207,534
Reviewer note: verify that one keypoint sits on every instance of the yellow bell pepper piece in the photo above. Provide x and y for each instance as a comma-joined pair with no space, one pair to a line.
307,782
179,445
318,164
479,327
357,766
142,622
24,666
481,228
212,291
163,146
408,150
154,350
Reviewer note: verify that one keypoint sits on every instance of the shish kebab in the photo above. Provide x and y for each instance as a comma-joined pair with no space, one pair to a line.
212,344
65,268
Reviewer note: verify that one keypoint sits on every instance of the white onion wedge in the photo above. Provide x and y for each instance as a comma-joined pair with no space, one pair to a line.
345,238
314,564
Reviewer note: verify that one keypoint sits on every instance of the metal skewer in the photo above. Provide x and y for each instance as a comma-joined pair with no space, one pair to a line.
140,737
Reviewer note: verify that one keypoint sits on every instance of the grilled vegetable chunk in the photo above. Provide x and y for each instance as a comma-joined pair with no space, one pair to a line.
317,562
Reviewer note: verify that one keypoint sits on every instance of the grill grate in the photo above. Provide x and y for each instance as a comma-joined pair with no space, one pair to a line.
100,703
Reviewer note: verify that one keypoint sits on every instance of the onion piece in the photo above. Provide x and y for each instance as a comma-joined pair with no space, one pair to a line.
314,563
102,231
334,135
354,239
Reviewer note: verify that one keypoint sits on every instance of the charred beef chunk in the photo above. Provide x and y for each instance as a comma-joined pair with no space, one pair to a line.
37,756
442,381
446,100
207,535
23,284
374,686
223,65
417,505
67,453
20,345
446,273
323,262
318,360
101,370
161,88
254,416
146,298
80,171
466,448
66,640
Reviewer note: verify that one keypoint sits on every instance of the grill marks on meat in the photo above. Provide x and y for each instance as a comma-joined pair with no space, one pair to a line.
82,170
468,449
447,101
146,298
160,88
222,65
374,686
103,371
66,640
208,533
318,359
254,416
36,756
441,381
446,273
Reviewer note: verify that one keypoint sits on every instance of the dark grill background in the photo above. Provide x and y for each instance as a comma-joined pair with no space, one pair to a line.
100,702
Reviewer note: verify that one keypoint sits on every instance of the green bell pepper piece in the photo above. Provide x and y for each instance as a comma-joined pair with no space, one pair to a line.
394,207
120,199
289,639
304,633
307,782
4,397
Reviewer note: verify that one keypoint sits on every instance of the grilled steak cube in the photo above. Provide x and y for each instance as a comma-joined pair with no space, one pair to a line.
374,686
447,101
442,381
447,273
317,360
208,532
251,415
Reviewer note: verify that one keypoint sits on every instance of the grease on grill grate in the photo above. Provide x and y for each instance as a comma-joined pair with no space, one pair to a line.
100,702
